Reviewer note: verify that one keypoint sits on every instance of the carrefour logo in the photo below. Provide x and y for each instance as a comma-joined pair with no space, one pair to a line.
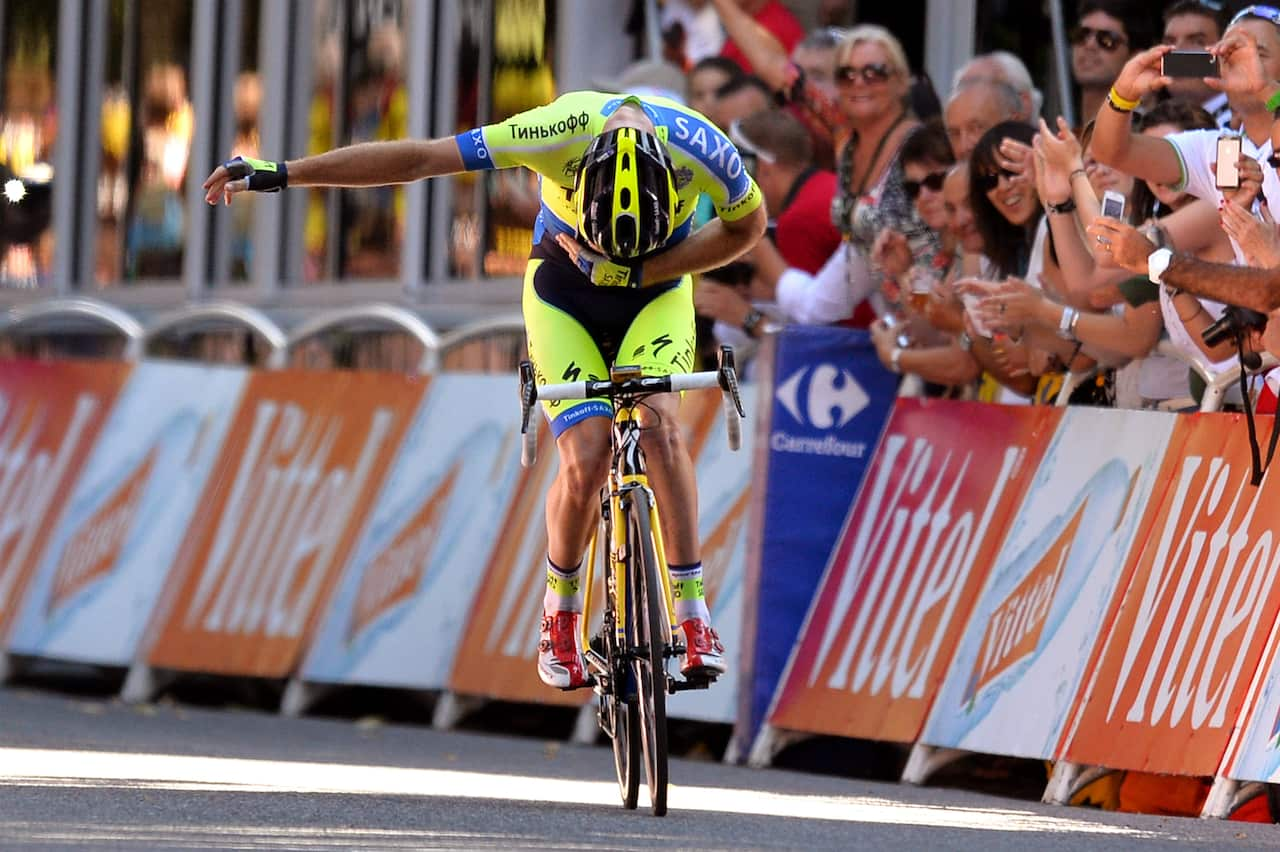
825,397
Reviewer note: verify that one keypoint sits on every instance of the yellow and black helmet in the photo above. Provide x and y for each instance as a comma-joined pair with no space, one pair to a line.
625,193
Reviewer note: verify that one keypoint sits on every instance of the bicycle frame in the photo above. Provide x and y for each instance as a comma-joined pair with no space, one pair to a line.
627,472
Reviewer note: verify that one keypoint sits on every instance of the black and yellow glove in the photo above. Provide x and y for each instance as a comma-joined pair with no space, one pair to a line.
258,175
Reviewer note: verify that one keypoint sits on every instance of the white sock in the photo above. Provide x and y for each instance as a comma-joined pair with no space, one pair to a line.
686,589
564,589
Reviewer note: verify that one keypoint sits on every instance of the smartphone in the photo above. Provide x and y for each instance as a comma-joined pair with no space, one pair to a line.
1113,205
1189,63
1228,171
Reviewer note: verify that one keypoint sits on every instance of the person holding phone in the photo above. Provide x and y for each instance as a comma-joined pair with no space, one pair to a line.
1193,26
1248,61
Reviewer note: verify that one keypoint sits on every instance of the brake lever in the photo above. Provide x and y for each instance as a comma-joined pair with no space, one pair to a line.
528,394
729,378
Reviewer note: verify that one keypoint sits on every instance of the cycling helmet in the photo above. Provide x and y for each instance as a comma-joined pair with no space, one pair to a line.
625,193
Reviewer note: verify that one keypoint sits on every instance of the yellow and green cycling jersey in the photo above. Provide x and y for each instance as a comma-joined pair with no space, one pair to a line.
550,140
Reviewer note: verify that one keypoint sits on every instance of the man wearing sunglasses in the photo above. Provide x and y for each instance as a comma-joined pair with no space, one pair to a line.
1108,34
1249,61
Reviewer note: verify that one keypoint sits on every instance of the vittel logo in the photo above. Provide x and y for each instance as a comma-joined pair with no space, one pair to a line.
822,397
1188,643
912,556
94,549
396,574
283,521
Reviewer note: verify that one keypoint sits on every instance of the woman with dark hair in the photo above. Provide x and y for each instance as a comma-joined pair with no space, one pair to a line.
1005,207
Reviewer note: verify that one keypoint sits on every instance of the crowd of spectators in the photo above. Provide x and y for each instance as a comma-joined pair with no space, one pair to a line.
978,238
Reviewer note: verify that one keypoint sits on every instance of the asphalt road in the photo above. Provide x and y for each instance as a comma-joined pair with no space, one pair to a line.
89,773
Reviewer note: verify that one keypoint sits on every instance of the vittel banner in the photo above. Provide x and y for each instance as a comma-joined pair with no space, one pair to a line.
402,605
1031,634
50,415
910,562
303,460
831,397
1188,633
109,555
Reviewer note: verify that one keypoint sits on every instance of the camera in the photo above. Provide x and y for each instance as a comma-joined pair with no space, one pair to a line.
1234,324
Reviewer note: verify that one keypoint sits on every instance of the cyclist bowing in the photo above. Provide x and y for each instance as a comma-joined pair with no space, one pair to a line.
608,281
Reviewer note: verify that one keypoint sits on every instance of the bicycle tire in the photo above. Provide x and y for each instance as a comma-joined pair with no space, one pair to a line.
651,631
624,713
626,748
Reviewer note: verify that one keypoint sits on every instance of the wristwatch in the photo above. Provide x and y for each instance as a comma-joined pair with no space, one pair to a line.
752,321
1157,262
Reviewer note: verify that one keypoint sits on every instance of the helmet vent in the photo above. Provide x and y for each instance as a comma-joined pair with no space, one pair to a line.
626,162
624,198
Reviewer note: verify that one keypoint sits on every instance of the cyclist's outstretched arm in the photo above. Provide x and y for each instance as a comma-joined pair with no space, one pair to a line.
365,164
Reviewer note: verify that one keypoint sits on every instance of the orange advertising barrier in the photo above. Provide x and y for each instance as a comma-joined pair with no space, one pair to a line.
50,416
303,461
911,561
499,658
1167,685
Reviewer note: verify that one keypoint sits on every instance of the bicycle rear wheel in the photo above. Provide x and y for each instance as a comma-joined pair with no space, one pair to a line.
650,631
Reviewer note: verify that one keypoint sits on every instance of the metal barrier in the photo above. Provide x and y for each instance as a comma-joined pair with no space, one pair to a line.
490,346
213,325
1195,362
60,328
390,334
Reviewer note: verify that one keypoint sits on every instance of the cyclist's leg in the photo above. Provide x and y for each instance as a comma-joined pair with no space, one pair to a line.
562,350
661,340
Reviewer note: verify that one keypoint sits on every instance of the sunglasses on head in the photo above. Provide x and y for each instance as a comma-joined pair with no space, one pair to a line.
1108,40
877,72
988,181
1266,13
933,182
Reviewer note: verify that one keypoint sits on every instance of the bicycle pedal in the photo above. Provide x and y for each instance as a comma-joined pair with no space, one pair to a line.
694,682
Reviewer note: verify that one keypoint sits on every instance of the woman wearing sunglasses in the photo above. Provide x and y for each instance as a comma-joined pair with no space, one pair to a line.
869,114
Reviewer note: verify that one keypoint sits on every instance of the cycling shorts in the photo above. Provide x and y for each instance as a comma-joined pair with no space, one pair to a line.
576,330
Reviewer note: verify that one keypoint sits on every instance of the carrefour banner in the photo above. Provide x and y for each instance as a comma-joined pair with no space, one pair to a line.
110,552
402,604
1033,630
831,398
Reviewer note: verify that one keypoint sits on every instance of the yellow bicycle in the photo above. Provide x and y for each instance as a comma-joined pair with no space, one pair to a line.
628,658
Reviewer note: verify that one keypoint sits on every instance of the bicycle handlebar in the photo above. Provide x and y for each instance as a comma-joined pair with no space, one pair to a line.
725,378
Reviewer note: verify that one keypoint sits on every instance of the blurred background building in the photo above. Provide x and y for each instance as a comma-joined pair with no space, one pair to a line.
114,111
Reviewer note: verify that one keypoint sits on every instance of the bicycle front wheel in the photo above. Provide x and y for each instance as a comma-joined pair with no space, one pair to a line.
650,632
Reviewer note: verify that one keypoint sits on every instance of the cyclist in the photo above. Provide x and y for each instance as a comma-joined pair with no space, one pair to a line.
608,281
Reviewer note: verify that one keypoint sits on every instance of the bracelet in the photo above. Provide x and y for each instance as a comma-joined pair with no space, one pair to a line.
1068,206
1067,323
1071,177
1120,103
